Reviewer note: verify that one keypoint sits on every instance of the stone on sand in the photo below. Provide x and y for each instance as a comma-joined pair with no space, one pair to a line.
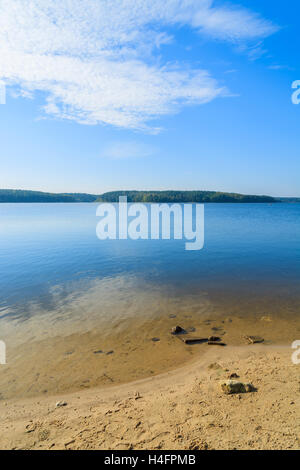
254,339
214,338
230,387
176,330
59,404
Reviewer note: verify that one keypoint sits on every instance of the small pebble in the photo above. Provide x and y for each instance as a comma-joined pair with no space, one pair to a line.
59,404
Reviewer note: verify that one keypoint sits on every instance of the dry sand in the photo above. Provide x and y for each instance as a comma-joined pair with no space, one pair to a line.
181,409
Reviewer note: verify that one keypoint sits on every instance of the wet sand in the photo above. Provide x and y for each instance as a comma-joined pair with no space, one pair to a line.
126,351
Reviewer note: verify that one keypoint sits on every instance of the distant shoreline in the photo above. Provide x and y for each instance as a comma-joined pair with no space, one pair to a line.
27,196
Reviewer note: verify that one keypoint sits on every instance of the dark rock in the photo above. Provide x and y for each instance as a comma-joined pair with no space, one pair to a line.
109,352
98,352
215,343
234,376
192,340
214,338
232,386
177,330
155,340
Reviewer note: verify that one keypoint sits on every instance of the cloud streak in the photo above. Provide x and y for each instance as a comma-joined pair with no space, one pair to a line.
101,61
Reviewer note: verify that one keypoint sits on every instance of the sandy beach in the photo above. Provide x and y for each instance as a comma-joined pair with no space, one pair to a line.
182,409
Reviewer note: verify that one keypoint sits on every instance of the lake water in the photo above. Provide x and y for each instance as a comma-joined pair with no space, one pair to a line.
58,280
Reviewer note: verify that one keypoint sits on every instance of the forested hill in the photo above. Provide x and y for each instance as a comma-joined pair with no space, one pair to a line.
182,196
289,200
13,195
18,195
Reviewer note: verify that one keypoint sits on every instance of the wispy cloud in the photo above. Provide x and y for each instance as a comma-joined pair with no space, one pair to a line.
232,23
280,67
100,61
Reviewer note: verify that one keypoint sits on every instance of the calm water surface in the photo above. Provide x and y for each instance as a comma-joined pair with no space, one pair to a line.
50,258
65,295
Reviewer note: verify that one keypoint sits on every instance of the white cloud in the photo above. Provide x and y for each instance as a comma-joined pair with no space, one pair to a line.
232,23
127,149
100,61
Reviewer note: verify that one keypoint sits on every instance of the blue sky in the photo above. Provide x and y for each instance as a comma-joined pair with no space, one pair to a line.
150,95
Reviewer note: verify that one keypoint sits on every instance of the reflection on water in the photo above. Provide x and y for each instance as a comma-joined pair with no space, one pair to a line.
57,280
49,254
101,305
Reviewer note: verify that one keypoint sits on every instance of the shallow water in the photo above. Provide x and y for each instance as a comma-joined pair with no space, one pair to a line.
65,294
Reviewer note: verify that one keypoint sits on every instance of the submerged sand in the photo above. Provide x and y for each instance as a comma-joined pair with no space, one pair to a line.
181,409
101,333
126,351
